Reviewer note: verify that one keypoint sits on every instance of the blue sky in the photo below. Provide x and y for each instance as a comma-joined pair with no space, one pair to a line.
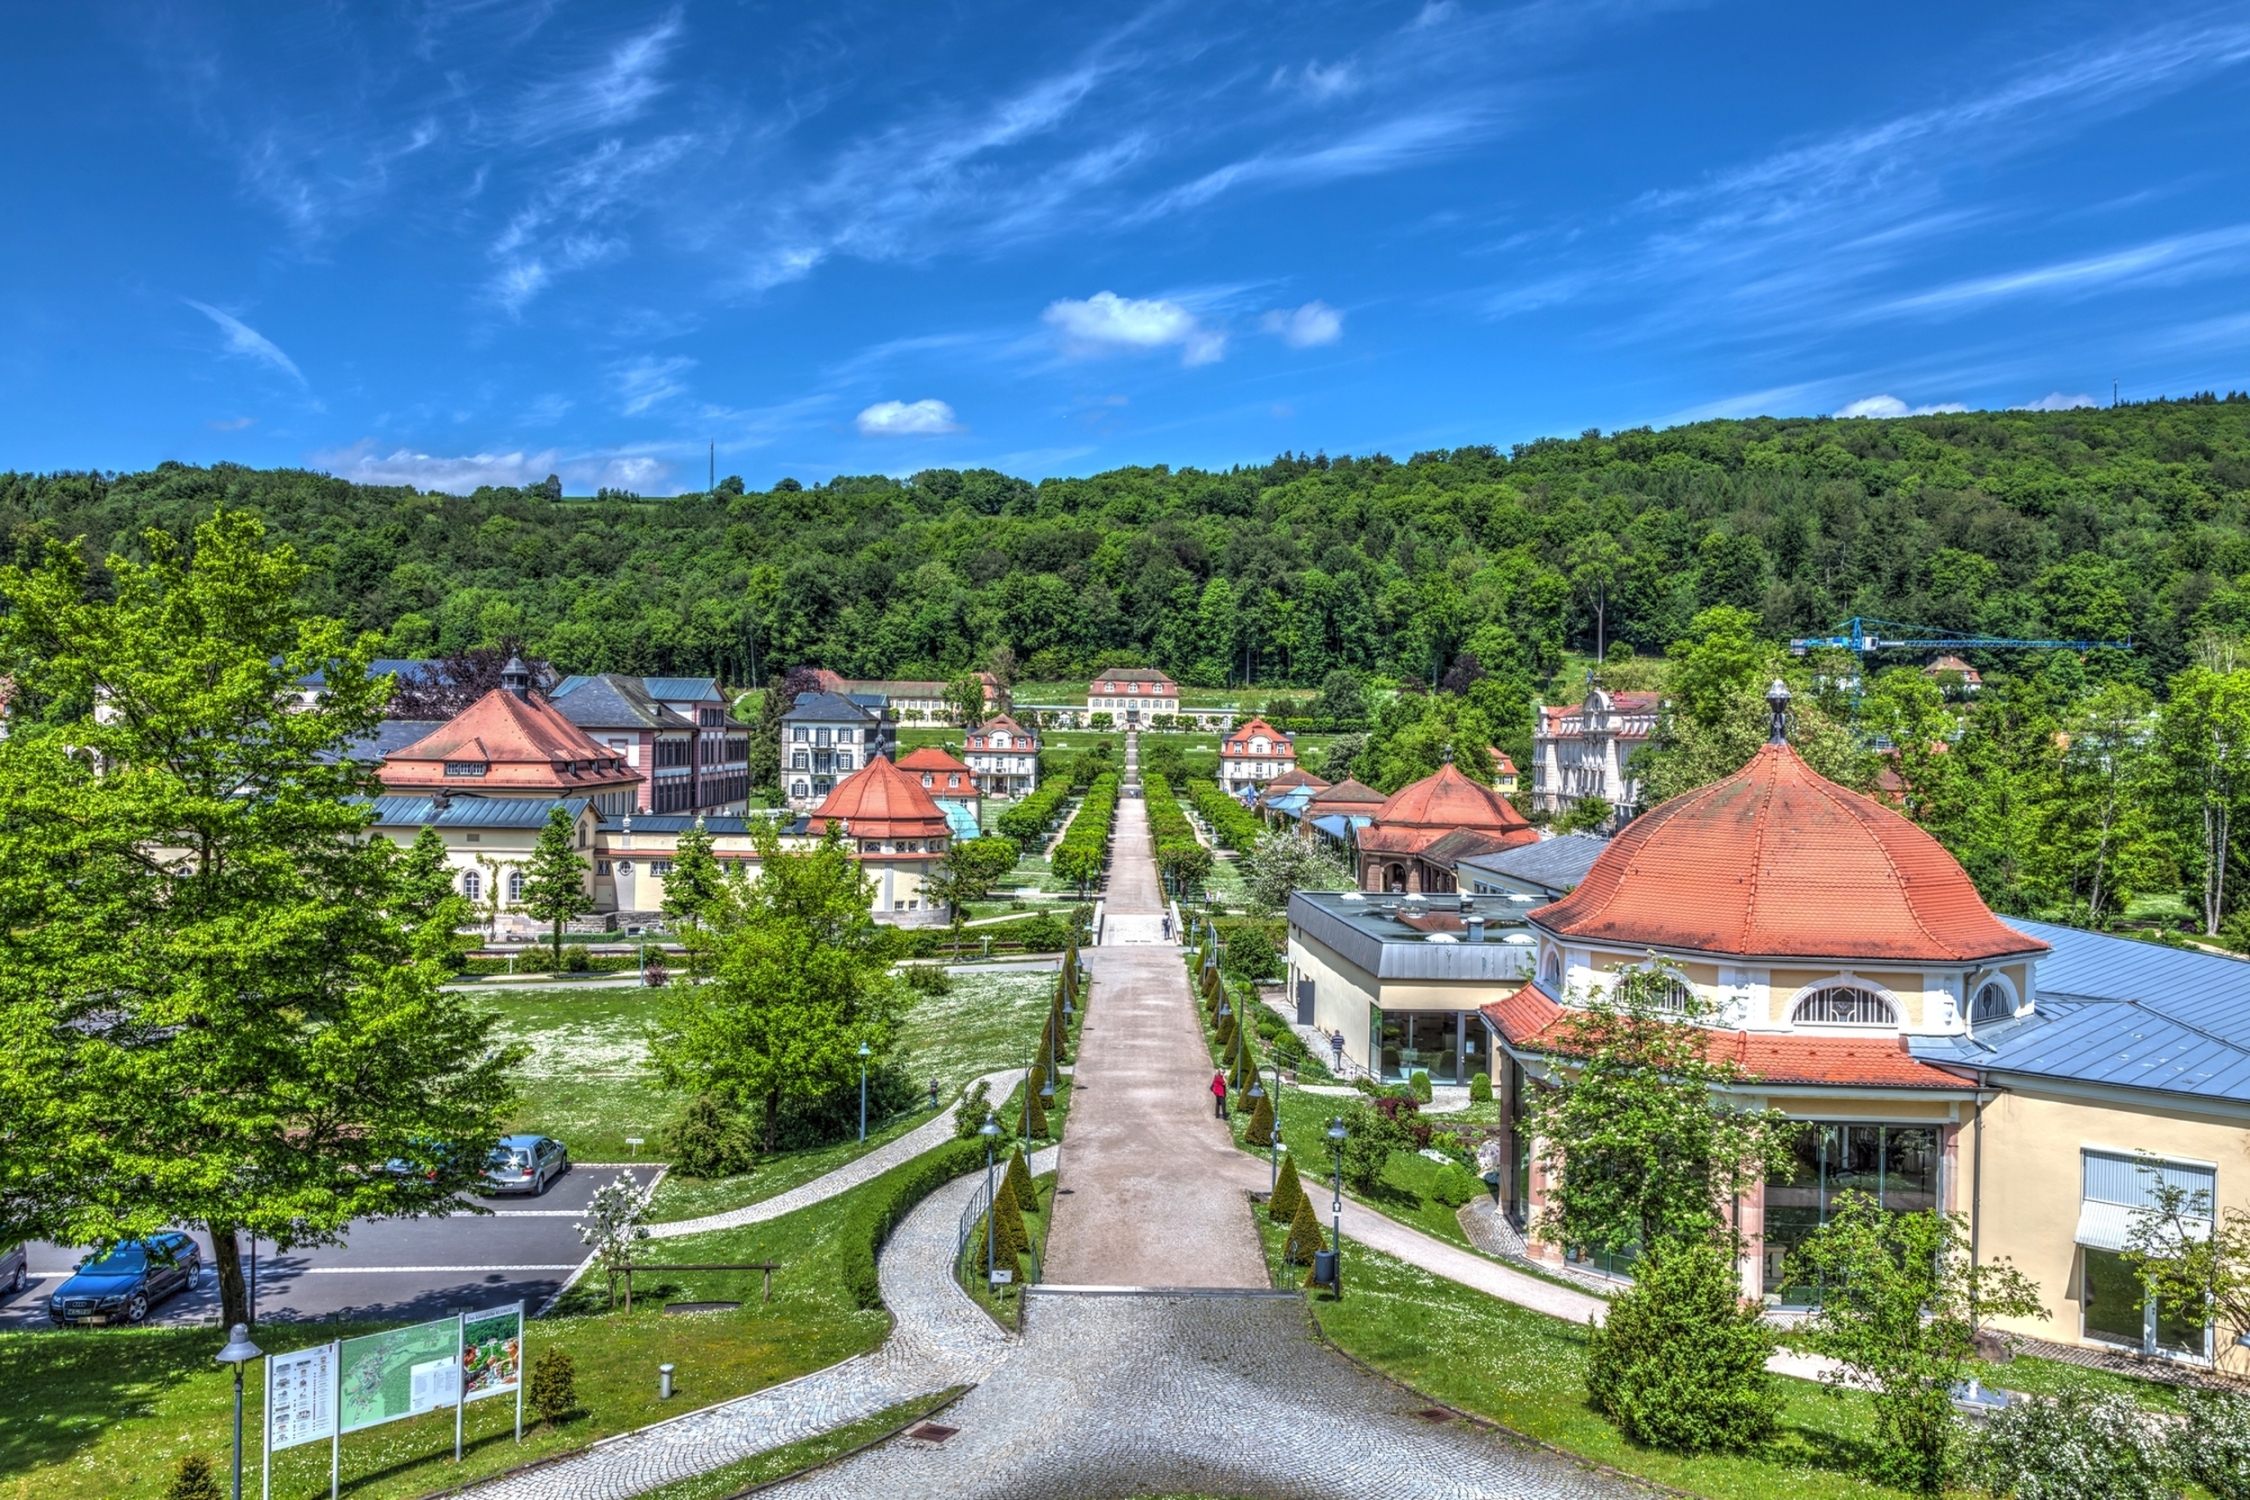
475,242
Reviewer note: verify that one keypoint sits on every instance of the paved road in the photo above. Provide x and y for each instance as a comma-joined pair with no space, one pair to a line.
399,1269
1152,1200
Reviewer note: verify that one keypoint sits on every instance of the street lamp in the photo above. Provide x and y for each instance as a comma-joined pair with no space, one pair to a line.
863,1056
990,1130
1336,1133
238,1352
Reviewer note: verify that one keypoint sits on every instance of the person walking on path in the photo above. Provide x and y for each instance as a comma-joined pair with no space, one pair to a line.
1336,1046
1219,1094
1167,927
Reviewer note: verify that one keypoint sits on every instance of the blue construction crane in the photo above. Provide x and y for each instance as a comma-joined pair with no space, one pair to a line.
1863,634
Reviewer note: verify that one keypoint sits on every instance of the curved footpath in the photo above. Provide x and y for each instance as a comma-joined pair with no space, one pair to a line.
939,1338
922,1138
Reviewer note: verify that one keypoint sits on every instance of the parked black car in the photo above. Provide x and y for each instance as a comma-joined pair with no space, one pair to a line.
124,1282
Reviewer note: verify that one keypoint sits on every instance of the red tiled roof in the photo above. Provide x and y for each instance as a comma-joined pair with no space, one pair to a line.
1778,862
932,758
880,801
525,745
1238,743
1348,792
1296,778
1528,1019
1448,800
980,737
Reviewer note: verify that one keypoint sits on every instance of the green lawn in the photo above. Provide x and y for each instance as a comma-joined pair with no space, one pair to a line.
1527,1372
108,1414
583,1083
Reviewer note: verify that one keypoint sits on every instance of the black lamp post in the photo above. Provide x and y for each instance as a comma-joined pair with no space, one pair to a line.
238,1352
1336,1134
990,1130
863,1056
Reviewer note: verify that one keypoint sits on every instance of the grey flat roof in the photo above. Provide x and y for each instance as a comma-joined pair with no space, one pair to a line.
1365,930
2124,1013
1557,864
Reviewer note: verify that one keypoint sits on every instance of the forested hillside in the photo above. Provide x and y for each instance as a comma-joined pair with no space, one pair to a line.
2097,523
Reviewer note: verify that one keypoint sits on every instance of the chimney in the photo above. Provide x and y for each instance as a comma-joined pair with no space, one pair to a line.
1475,926
516,677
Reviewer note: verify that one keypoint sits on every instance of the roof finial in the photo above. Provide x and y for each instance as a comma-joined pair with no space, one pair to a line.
516,677
1449,754
1777,699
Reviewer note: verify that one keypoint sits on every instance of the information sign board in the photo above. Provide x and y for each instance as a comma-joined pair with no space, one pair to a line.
301,1396
398,1373
492,1349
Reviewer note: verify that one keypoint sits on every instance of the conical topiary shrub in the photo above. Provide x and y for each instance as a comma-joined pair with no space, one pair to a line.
1034,1108
1261,1123
1019,1183
1305,1236
194,1479
1009,1215
1287,1194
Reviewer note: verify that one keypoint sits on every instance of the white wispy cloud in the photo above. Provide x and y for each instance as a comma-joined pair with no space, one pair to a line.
1106,323
1320,82
368,462
2171,259
1891,406
244,340
1304,327
612,92
2055,401
647,381
457,474
590,196
906,419
1384,146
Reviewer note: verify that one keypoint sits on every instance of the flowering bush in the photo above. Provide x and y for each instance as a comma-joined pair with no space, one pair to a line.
2081,1444
2214,1443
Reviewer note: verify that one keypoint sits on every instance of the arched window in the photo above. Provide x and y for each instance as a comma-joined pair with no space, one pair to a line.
1672,999
515,885
1993,1003
472,884
1550,971
1844,1005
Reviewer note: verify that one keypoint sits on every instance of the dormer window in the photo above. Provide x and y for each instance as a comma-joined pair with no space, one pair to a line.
467,767
1844,1005
1994,1002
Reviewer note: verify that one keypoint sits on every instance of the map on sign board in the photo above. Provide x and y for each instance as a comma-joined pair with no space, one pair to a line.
397,1373
492,1349
301,1396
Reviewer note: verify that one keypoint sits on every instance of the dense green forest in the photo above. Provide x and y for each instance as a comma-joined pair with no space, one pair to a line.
1431,602
2132,521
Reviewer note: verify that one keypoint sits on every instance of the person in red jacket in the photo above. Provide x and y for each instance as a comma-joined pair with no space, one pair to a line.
1219,1093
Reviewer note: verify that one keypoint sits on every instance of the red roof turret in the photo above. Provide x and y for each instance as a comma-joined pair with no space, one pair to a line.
1777,861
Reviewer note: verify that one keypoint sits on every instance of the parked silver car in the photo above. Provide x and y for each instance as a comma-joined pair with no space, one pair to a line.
14,1267
525,1164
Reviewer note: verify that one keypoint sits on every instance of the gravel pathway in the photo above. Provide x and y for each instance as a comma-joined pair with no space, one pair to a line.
926,1137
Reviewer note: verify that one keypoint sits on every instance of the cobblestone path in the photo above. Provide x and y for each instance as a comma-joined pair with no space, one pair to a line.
939,1338
861,1169
1116,1396
1151,1199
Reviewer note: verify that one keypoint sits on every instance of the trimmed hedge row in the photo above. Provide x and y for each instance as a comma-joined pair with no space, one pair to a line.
889,1198
1166,823
1085,847
1027,822
1231,823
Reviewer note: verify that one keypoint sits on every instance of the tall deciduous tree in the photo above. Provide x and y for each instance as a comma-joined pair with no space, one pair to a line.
554,879
1280,864
696,882
222,997
2204,735
797,982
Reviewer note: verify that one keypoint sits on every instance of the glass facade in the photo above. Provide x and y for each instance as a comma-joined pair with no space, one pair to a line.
1896,1165
1421,1041
2117,1309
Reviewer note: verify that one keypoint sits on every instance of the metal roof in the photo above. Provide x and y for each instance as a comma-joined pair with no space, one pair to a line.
829,708
616,702
1555,864
2123,1013
687,689
467,810
681,822
1363,931
391,734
